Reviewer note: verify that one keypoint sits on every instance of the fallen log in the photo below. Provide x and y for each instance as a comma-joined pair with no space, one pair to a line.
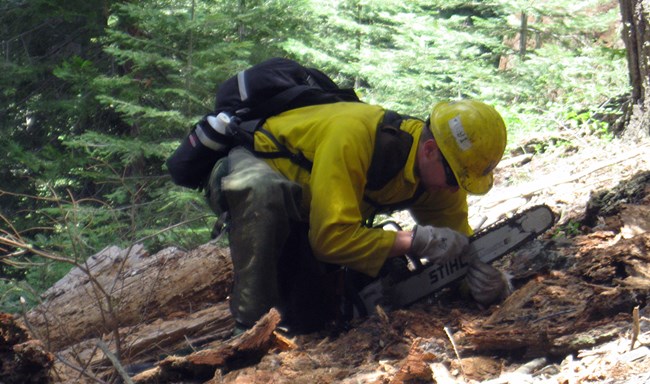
119,288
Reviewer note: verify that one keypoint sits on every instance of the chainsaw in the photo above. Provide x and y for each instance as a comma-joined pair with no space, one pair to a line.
419,279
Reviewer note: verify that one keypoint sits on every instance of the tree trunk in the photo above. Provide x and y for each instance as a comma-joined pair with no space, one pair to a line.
634,15
636,36
523,35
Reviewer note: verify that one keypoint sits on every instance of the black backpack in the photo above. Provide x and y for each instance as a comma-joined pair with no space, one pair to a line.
242,103
274,86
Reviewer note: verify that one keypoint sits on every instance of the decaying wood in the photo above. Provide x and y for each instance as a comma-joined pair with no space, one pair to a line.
245,349
416,366
22,360
128,287
559,312
554,314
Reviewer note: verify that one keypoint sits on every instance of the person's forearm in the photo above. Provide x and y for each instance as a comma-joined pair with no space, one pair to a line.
402,243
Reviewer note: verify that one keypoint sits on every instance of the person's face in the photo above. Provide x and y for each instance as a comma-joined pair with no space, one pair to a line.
434,172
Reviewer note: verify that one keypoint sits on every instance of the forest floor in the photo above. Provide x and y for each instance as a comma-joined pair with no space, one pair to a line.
578,314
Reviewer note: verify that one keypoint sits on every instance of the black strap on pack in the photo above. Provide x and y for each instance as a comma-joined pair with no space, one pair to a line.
391,151
390,154
302,96
392,148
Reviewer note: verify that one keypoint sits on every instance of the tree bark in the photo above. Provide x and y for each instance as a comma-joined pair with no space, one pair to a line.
523,35
636,36
634,14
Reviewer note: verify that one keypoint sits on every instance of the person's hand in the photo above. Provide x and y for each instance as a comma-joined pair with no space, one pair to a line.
486,283
437,244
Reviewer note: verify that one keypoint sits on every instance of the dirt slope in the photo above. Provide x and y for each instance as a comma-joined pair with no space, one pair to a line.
577,316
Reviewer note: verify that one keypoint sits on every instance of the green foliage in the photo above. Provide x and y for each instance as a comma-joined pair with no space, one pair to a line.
571,228
11,292
586,123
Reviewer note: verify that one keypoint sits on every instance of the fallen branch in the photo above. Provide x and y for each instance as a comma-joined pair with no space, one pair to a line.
636,326
115,361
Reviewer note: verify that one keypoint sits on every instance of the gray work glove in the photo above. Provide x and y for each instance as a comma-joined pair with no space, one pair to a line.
437,244
486,283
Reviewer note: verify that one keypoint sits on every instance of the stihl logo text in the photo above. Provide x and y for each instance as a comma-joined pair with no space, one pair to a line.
445,270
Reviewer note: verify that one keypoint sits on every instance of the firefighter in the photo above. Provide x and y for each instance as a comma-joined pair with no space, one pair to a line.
289,224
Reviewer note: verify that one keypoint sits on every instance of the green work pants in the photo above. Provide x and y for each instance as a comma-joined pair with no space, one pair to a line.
272,261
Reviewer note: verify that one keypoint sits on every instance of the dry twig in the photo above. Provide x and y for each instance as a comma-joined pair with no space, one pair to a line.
636,326
453,344
115,361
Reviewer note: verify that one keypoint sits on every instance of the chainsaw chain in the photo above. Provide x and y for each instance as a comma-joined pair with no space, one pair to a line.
512,219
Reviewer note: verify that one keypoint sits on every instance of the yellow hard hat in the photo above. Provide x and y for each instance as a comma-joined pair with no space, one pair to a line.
472,137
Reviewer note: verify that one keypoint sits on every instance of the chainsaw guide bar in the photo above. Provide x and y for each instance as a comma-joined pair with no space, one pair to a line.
488,245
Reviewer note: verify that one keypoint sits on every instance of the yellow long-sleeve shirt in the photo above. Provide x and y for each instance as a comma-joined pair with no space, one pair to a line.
339,140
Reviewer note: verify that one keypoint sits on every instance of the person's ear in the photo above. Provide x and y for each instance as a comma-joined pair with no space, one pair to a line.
430,149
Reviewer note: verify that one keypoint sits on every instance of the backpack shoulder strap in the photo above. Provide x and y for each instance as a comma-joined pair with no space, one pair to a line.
244,133
391,151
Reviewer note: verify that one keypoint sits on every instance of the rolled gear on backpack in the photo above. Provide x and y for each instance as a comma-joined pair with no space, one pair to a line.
210,140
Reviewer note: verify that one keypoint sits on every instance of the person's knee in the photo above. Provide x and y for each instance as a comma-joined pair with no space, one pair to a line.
214,189
269,192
